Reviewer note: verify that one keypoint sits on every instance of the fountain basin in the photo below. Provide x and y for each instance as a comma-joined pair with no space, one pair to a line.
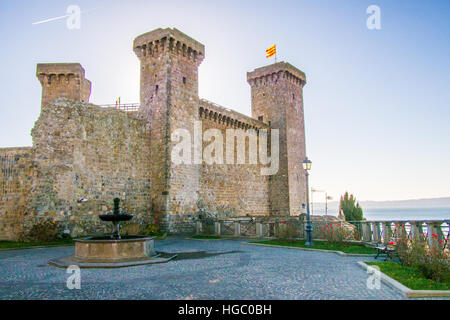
105,249
115,217
114,251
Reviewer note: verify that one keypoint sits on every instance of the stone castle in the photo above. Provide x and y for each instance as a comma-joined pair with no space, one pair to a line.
84,155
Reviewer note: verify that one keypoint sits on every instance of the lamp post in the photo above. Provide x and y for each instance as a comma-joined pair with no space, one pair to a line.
308,229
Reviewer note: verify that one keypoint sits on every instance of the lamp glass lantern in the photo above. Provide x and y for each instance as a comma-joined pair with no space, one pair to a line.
307,164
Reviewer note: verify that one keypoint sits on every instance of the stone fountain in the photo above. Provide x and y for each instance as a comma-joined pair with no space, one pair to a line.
112,251
116,217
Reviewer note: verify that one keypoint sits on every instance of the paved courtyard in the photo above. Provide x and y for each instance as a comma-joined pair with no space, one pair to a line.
224,269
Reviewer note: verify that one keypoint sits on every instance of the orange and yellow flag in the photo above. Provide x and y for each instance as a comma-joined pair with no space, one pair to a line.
271,51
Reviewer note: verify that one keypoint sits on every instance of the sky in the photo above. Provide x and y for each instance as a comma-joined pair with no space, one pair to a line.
377,102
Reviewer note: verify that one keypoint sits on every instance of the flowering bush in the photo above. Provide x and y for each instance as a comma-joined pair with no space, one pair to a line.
336,233
432,261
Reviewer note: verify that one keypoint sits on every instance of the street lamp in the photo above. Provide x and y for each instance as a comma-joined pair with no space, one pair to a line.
307,166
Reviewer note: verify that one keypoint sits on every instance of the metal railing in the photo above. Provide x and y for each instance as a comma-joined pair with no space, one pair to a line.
130,107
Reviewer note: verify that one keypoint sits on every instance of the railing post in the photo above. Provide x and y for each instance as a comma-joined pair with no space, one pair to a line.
237,228
198,228
387,234
434,227
416,229
401,228
217,228
376,231
366,233
259,230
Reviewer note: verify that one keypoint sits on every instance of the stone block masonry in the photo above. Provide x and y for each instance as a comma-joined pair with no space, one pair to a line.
85,151
16,178
63,80
277,97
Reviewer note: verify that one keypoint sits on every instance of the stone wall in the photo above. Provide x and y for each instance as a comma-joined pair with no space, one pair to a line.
277,98
232,189
169,63
85,151
16,177
63,80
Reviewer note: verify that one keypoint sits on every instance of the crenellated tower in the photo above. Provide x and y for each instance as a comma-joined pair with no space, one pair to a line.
277,99
169,62
63,80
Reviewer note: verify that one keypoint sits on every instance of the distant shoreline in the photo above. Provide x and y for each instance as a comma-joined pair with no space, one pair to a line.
398,213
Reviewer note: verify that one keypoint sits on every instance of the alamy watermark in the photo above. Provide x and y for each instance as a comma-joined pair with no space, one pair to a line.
189,150
374,20
74,280
374,280
74,17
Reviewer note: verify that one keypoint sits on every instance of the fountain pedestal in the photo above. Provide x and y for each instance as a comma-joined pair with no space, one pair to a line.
103,249
113,251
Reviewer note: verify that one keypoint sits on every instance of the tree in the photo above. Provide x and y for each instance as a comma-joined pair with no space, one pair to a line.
350,207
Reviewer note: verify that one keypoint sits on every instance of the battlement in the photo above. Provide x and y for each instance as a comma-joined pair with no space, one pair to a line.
63,80
230,118
153,43
274,72
60,68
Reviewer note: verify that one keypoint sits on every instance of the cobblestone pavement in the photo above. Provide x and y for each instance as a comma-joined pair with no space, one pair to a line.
224,269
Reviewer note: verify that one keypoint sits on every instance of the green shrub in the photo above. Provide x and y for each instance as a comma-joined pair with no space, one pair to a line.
350,207
152,230
44,230
287,231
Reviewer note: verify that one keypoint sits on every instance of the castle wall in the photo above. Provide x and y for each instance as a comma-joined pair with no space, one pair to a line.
85,151
16,173
81,151
296,148
232,189
277,97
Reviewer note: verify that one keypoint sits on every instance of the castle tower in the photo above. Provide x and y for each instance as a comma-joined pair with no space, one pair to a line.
169,62
63,80
277,98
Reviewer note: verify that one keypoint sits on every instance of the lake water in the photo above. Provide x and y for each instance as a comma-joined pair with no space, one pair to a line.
393,214
401,213
408,214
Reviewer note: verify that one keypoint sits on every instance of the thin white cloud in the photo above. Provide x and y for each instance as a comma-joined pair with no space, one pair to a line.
59,18
51,19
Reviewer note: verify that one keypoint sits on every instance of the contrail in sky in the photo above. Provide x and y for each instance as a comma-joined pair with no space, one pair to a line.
51,19
58,18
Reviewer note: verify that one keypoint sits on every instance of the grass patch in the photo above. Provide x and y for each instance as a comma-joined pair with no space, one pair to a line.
323,245
409,276
205,237
160,235
16,244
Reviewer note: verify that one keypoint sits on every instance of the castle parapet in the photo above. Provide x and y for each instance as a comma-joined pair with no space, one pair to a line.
227,117
274,72
152,44
63,80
